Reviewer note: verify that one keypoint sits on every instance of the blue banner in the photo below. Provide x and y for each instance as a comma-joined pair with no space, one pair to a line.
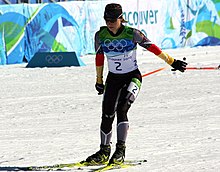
26,29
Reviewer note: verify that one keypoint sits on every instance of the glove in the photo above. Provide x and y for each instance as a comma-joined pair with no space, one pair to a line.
99,88
179,65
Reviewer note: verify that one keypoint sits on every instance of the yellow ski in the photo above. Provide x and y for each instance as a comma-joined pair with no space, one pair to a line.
126,164
58,167
79,166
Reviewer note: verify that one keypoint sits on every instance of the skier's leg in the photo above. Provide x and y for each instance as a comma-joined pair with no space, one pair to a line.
127,97
110,100
109,104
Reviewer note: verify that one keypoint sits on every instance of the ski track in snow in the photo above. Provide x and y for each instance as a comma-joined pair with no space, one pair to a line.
52,115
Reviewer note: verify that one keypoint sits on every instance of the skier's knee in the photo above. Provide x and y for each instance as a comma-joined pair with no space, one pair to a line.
106,124
108,115
123,106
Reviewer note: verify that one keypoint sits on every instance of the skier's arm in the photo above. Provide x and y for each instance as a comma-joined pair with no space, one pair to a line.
143,41
157,51
99,61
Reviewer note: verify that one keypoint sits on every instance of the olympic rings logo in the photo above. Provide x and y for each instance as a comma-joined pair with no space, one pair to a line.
54,59
115,44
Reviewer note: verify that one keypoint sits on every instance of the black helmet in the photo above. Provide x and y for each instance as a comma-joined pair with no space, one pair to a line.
113,11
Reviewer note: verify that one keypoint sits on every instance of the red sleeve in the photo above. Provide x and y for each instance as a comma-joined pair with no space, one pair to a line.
154,49
99,59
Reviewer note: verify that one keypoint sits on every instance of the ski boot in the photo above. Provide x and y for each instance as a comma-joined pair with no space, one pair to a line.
119,154
100,157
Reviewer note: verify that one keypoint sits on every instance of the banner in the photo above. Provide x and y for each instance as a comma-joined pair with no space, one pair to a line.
2,48
12,25
26,29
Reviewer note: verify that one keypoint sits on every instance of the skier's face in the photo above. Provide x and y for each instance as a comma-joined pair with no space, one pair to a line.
113,24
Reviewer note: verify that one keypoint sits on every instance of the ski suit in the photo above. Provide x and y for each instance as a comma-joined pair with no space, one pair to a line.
124,78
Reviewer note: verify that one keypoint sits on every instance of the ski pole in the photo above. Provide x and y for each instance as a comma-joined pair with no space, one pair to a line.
157,70
203,68
187,68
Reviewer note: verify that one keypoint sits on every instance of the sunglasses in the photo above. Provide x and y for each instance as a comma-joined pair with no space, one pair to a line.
111,20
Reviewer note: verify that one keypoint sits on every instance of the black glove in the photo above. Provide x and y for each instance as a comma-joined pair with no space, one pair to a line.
179,65
99,88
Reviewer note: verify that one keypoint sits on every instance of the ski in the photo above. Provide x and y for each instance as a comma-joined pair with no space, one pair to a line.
58,167
126,164
78,166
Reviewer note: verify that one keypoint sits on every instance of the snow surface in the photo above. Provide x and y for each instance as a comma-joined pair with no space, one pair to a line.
52,115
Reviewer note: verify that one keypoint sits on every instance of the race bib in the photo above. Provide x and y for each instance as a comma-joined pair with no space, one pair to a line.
134,87
122,63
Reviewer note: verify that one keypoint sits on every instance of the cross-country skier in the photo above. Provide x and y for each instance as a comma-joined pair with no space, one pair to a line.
119,43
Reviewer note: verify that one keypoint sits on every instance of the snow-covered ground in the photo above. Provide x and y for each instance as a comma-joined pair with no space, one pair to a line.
52,115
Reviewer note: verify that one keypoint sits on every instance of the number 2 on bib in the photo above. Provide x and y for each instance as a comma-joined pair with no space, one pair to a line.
118,66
